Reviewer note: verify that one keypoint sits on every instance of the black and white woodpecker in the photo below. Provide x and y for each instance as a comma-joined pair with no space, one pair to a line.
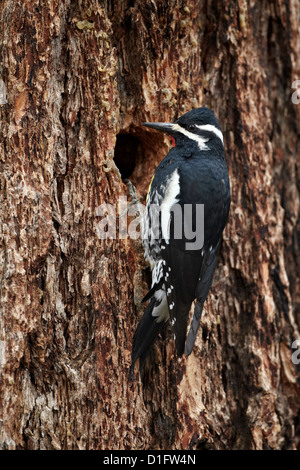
193,174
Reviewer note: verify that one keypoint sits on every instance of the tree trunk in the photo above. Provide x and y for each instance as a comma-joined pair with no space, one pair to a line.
80,77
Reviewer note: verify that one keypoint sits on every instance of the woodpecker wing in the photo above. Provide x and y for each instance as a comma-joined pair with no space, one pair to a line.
188,272
206,275
181,271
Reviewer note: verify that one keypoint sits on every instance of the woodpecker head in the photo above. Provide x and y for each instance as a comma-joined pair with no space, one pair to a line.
199,125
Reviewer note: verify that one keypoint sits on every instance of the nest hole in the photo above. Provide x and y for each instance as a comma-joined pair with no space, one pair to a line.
128,150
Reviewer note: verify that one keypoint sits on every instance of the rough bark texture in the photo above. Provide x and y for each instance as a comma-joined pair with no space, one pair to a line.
77,74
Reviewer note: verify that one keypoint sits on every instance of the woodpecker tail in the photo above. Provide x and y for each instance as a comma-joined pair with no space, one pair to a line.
144,336
204,284
193,328
179,324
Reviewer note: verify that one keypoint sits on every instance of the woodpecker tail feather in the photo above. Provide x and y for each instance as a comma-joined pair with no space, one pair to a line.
179,323
193,328
204,284
144,336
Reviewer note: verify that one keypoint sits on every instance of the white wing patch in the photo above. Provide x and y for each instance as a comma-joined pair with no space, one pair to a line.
171,193
157,217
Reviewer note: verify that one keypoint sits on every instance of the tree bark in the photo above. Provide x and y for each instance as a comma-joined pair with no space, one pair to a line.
77,75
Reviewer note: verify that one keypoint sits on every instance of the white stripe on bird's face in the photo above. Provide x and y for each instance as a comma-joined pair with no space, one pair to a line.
211,128
201,141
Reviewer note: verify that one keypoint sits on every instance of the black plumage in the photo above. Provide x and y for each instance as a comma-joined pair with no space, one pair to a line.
193,173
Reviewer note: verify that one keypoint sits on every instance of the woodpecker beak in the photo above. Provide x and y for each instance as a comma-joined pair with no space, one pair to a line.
160,126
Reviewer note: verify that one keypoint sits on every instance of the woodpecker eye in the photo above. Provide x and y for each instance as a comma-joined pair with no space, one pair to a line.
191,127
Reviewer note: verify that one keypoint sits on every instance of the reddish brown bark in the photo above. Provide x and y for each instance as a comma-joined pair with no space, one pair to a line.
76,75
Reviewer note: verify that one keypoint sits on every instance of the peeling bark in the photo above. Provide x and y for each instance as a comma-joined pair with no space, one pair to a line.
77,75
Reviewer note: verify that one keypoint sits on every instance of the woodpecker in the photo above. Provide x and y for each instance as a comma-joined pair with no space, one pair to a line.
193,174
